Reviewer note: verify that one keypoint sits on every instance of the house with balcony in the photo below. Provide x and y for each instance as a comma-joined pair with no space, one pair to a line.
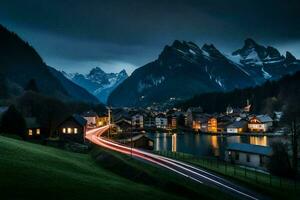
260,123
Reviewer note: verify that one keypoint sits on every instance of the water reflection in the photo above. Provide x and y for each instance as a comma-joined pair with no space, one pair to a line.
215,145
174,142
259,140
202,145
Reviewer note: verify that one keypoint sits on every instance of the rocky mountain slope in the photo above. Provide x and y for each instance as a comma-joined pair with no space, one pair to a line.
98,82
184,69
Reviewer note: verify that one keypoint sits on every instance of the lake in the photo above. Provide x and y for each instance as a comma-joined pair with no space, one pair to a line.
202,144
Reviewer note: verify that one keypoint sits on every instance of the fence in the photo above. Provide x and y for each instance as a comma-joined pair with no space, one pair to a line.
249,175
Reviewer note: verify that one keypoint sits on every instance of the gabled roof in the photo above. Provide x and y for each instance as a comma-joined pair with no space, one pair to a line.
250,148
263,118
237,124
31,122
80,120
90,114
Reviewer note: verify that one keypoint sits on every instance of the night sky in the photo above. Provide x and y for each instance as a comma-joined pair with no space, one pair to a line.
80,34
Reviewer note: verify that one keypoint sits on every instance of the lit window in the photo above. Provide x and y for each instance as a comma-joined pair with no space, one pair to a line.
69,130
64,130
38,131
30,132
75,130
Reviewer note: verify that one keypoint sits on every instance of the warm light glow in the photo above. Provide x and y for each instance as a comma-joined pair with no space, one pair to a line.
75,130
262,141
30,132
38,131
174,142
196,125
212,125
69,130
64,130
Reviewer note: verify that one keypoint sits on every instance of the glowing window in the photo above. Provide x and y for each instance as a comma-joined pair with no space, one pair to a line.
64,130
30,132
38,131
69,130
75,130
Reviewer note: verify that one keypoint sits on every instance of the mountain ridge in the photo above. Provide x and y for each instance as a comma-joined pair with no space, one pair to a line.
183,69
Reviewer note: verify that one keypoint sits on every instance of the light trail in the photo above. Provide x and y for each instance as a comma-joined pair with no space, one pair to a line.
176,166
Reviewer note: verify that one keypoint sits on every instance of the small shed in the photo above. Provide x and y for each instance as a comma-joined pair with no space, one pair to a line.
139,141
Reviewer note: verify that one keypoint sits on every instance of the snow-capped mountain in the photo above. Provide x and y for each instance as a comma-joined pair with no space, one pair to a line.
98,82
184,69
264,63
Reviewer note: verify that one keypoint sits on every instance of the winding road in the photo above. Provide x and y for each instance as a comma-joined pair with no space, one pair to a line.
199,175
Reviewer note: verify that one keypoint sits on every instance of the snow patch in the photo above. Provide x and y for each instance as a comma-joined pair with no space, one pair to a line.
266,74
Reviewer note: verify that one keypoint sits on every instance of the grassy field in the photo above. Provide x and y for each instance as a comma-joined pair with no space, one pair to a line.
273,186
33,171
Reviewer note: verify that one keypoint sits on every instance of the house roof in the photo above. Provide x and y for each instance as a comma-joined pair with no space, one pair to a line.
264,118
31,122
237,124
90,114
250,148
80,120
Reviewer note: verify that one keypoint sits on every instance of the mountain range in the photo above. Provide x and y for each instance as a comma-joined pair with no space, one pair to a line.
183,70
20,63
98,82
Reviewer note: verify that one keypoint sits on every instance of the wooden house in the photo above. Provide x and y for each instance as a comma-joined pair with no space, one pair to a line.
260,123
91,117
139,141
72,129
34,129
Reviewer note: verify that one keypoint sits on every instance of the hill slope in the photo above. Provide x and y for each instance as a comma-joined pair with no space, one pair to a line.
20,62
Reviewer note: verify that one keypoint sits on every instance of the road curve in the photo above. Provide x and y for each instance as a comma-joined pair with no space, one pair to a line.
199,175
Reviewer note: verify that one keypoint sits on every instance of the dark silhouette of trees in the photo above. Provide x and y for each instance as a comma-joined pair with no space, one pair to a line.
13,122
279,161
3,87
31,86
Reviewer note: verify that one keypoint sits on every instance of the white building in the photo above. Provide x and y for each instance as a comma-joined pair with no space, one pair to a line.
161,121
137,120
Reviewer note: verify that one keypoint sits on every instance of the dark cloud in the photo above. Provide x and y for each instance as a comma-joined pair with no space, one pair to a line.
134,32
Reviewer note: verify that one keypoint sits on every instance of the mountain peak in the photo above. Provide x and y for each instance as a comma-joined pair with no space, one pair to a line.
97,70
290,57
250,43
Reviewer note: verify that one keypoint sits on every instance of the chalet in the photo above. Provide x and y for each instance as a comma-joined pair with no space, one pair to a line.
102,120
222,122
161,121
248,155
212,125
34,129
172,121
260,123
137,120
72,129
91,117
149,120
139,141
193,113
237,127
123,124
